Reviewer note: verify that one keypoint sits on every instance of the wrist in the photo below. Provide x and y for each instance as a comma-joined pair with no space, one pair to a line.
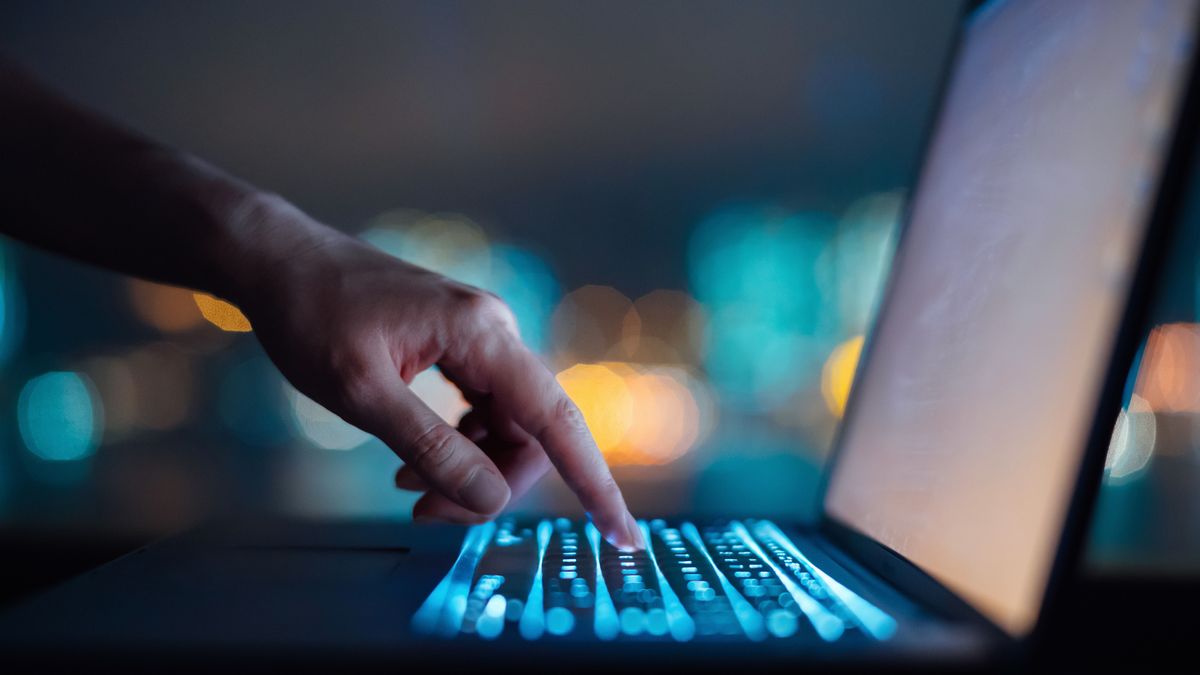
266,237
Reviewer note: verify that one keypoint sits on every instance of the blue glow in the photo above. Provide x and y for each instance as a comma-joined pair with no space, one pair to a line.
827,624
559,621
633,621
781,623
525,282
681,625
606,623
491,623
874,621
656,621
59,417
750,619
12,307
533,619
442,612
523,279
755,269
251,404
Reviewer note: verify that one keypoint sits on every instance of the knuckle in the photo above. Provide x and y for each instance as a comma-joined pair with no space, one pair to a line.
433,449
484,310
353,375
564,413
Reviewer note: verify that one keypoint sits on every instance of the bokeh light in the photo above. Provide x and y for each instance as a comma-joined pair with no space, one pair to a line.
838,374
447,243
524,281
604,399
251,404
222,314
666,422
855,265
591,324
1169,375
165,385
755,269
641,415
59,416
1133,441
670,325
453,245
12,306
439,394
117,388
170,309
320,427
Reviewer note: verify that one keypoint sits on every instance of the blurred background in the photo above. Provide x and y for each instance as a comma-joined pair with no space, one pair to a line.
690,206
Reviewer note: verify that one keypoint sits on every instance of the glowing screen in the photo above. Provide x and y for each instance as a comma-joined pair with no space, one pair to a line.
969,425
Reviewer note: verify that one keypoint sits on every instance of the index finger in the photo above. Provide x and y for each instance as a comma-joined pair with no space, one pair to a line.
528,392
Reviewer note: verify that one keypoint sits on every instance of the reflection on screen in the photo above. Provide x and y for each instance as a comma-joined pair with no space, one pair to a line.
969,425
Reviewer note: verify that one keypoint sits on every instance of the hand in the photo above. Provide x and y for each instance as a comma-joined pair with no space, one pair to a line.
350,327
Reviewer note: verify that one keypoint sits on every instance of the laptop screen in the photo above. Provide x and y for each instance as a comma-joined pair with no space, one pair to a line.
970,421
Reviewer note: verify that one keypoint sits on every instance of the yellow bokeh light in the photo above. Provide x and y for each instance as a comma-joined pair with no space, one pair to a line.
222,314
838,374
639,416
603,398
168,308
666,420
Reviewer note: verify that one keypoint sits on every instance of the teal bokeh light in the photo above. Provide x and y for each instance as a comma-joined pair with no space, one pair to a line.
527,284
251,403
522,278
12,306
757,270
59,416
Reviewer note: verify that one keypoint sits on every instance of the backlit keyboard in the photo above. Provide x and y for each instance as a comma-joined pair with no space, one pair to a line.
558,579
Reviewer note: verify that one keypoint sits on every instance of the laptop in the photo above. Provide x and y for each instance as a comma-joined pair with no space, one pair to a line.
962,478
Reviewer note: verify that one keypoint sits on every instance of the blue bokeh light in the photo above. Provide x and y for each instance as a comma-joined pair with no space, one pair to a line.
59,416
756,269
251,404
12,307
527,284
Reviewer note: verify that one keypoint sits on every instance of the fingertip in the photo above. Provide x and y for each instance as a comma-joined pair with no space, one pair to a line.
624,534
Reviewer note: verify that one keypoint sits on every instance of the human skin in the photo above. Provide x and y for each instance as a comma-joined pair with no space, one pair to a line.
348,325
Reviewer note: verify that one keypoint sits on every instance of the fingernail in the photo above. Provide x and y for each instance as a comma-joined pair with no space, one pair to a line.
635,532
629,537
484,492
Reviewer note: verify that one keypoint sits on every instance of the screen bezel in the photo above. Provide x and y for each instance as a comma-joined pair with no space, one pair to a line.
906,575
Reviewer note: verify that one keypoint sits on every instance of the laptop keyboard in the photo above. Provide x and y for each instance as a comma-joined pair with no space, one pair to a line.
558,579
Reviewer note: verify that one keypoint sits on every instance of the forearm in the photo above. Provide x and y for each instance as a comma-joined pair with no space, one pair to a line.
77,184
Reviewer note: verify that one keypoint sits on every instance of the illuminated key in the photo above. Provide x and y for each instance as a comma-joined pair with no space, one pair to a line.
679,623
826,623
749,618
874,621
442,612
605,621
533,619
